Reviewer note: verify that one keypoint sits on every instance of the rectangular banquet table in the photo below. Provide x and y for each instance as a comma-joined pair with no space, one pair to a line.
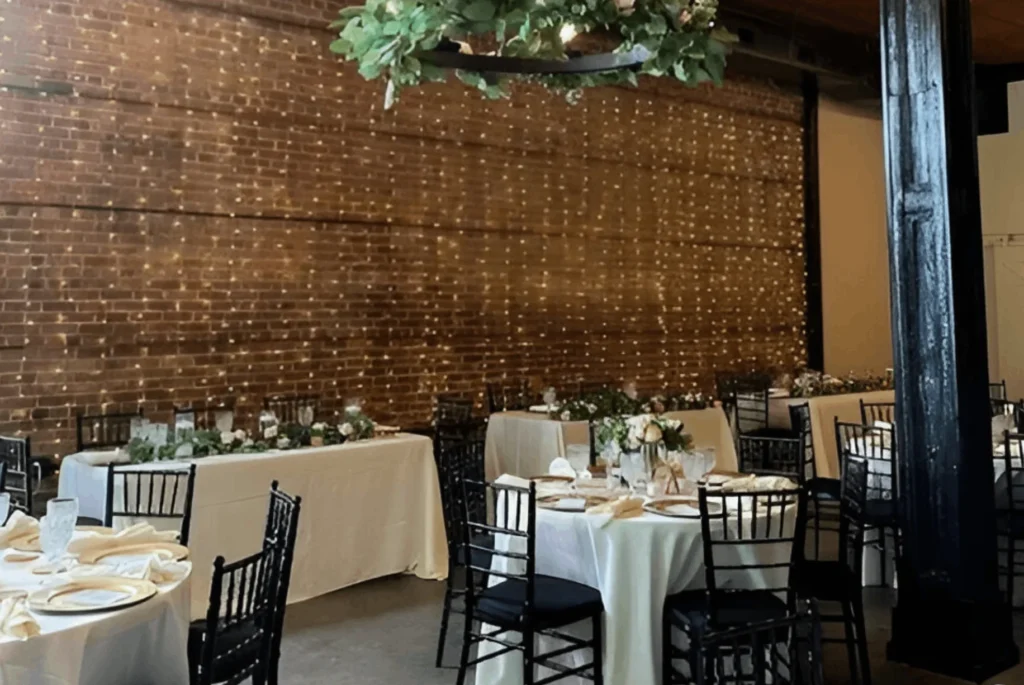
824,412
522,443
369,509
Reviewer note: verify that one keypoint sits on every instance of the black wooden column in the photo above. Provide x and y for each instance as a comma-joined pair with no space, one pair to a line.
950,616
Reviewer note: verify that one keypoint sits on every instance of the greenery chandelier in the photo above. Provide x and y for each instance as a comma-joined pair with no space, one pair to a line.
489,43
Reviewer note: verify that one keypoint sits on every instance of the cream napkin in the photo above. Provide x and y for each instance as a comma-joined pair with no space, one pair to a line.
158,571
17,525
625,507
133,535
759,484
15,620
560,466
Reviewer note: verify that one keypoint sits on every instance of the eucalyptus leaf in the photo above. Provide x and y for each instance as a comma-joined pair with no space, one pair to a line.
479,10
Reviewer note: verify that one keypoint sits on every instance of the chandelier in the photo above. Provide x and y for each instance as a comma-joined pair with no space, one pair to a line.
488,44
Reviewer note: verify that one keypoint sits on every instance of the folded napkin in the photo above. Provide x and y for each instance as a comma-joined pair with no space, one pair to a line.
513,481
18,525
104,458
156,570
625,507
15,620
759,484
133,535
560,466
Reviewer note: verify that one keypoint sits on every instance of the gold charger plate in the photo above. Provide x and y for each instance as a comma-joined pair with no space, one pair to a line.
591,500
547,478
170,551
105,594
664,507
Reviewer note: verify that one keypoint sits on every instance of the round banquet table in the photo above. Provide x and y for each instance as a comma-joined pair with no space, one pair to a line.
146,643
635,563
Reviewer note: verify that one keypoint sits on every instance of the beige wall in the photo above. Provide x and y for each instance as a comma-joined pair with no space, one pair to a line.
854,251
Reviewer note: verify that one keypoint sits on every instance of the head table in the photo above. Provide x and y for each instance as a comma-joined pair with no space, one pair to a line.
369,509
145,643
635,563
523,443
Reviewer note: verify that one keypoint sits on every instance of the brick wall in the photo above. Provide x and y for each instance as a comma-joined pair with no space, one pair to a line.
222,210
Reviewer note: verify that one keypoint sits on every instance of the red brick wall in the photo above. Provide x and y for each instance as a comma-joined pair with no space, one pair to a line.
222,209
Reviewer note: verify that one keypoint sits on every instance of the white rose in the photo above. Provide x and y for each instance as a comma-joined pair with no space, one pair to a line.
319,426
353,409
270,432
566,416
673,424
346,429
652,434
247,443
227,437
282,442
690,397
240,435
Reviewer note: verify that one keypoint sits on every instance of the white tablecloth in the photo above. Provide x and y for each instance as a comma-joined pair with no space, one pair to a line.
146,643
369,509
635,563
824,412
524,443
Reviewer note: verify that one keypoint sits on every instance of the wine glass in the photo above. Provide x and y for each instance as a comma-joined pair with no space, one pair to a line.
5,506
57,527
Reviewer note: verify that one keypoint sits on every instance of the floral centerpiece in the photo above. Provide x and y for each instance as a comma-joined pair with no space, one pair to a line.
597,405
356,425
630,434
817,384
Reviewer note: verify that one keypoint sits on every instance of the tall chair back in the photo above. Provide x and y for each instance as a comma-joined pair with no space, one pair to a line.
289,408
775,457
734,524
784,651
281,529
745,400
102,431
151,494
877,411
237,641
877,446
16,455
800,420
852,509
460,461
997,391
511,396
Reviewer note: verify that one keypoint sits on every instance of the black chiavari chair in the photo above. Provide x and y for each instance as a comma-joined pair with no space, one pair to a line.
870,412
775,457
783,651
878,447
522,601
513,396
3,478
740,530
823,493
103,431
289,408
839,580
16,455
745,399
997,391
282,528
204,417
459,460
1009,494
151,493
233,643
454,420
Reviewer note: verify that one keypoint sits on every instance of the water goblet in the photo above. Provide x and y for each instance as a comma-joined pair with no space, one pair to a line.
5,506
58,527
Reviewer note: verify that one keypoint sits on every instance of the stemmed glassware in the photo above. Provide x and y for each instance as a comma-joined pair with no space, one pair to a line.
57,528
5,506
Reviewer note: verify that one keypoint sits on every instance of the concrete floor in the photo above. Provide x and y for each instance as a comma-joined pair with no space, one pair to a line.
384,632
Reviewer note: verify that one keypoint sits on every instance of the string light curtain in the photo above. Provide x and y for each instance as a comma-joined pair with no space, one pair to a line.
223,210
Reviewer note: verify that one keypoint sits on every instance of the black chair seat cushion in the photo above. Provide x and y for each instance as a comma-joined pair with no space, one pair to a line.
879,513
826,580
236,648
556,602
826,489
690,609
